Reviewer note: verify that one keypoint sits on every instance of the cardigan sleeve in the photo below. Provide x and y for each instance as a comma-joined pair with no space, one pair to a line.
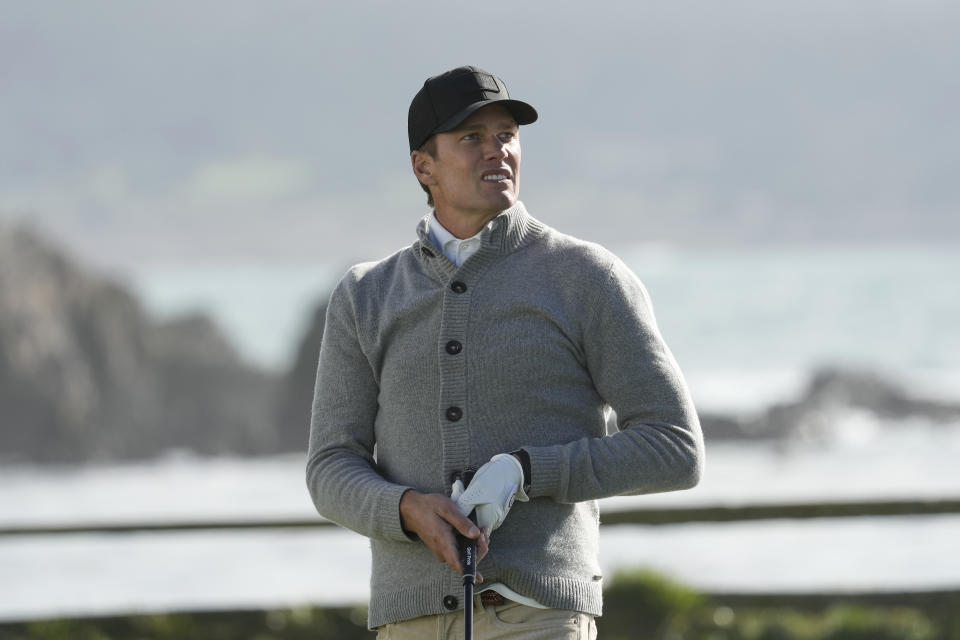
659,445
341,471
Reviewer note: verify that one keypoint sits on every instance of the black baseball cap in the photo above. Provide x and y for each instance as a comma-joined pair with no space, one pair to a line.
450,98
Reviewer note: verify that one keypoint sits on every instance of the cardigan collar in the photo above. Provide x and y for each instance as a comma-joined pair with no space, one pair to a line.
502,235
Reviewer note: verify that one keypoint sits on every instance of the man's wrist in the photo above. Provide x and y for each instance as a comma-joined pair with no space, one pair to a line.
404,502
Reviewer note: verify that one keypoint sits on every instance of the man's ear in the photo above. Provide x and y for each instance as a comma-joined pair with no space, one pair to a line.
422,163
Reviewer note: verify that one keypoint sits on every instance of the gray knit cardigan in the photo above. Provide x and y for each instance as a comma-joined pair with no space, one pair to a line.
428,368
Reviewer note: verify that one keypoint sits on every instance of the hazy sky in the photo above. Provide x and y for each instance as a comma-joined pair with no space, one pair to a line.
239,131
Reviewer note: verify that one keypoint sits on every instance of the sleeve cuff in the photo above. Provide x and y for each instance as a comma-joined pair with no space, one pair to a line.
546,473
393,525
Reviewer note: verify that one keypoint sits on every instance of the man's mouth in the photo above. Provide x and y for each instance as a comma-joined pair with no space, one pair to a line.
496,176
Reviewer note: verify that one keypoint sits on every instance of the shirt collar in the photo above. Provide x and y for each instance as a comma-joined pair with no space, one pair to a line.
504,234
457,250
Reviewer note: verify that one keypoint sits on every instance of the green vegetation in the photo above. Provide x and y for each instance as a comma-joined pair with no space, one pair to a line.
646,605
638,605
307,623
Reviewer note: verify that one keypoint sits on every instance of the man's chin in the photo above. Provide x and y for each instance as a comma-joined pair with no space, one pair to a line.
505,200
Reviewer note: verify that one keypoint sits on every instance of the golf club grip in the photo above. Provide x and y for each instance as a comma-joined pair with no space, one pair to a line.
468,565
468,554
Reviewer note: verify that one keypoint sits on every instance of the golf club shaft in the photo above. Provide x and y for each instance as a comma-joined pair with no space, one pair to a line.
467,610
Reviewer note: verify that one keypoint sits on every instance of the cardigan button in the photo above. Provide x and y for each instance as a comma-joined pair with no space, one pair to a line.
450,602
454,414
458,287
454,347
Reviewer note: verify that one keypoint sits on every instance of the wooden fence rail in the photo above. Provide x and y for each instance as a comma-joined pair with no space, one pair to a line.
650,517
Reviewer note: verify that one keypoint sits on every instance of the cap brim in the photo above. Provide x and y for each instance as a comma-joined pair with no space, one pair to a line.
522,112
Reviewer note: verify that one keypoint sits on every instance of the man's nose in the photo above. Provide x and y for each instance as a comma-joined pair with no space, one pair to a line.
496,148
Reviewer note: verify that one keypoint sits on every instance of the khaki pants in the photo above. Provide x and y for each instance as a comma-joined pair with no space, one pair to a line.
510,621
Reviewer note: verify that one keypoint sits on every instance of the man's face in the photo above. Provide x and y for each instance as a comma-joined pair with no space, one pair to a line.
475,172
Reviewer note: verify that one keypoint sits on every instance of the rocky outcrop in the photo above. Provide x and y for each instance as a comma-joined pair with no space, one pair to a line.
831,393
295,398
85,374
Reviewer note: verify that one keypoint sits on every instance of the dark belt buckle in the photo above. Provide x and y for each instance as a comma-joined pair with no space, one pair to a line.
491,598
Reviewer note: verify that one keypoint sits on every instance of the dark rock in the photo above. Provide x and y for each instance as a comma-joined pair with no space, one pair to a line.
720,427
85,374
295,398
831,392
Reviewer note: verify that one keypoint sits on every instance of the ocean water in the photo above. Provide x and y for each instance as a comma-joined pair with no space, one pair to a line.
747,327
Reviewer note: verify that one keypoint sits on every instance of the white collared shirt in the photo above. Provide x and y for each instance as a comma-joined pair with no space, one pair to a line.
457,250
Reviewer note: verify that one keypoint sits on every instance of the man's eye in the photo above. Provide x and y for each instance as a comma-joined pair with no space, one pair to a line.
469,136
507,136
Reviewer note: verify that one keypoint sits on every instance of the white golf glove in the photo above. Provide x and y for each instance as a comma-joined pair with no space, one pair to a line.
492,491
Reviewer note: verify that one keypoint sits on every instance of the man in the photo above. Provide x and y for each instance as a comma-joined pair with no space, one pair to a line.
494,342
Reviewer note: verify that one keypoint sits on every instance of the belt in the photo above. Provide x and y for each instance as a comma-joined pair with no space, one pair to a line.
491,598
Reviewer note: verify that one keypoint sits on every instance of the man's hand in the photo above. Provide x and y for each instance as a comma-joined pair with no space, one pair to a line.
436,520
492,491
